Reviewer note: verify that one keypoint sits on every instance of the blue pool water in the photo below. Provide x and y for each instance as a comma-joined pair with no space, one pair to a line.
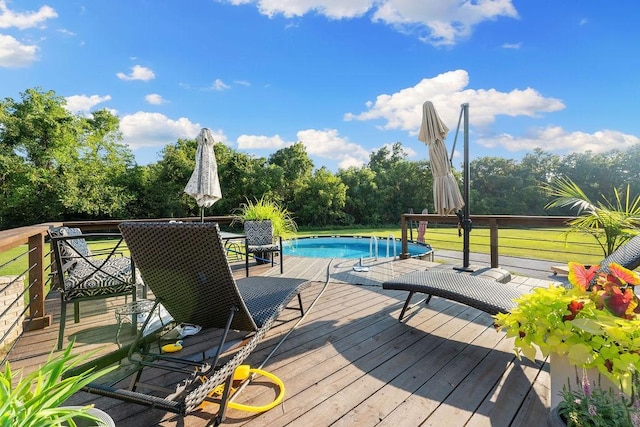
348,247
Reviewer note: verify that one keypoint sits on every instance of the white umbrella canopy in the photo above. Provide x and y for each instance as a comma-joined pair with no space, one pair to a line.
446,193
204,185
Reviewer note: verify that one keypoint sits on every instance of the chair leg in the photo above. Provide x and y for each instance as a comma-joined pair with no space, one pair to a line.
63,318
76,311
406,305
300,302
246,262
281,258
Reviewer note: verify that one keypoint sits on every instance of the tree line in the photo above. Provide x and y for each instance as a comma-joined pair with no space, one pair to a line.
55,165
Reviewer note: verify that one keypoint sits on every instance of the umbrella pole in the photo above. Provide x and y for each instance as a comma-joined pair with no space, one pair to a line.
465,214
466,222
202,214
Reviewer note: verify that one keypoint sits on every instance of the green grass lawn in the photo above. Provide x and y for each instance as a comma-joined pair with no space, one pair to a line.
542,243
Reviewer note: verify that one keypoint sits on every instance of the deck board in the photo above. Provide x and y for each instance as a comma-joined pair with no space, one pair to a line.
350,362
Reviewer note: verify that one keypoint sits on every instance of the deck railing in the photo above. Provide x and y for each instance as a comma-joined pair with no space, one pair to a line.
22,307
24,285
493,222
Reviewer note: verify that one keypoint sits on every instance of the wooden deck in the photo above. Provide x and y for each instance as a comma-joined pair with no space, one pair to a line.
350,362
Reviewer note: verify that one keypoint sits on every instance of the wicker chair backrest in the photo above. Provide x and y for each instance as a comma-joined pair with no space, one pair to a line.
185,266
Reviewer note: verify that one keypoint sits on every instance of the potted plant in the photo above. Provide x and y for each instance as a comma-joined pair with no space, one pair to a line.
595,323
591,404
37,398
264,209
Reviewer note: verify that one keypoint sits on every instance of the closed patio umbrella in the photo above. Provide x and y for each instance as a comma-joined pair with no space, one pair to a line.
446,193
204,185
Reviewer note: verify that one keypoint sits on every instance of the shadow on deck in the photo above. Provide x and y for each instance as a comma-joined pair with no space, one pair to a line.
350,362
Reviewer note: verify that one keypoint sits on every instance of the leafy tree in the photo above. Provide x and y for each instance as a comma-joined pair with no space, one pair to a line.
62,165
296,167
361,190
498,185
164,182
93,173
401,185
39,127
322,200
595,174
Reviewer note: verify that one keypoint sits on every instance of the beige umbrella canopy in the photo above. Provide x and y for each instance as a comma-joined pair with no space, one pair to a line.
204,185
446,193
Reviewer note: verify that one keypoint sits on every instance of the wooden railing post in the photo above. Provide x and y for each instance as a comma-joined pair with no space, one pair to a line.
37,317
403,235
493,242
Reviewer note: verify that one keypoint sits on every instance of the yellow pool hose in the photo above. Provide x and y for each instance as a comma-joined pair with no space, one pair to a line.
241,373
246,374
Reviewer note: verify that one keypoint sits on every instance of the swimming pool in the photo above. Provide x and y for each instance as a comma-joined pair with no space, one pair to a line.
349,247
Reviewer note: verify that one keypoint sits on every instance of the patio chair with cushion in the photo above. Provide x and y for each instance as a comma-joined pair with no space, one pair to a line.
81,275
186,268
259,241
484,294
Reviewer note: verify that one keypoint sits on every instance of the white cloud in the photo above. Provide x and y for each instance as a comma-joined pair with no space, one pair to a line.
445,21
154,99
67,32
219,85
403,109
512,45
84,103
144,129
442,22
14,54
9,18
242,83
253,142
138,72
329,144
334,9
556,139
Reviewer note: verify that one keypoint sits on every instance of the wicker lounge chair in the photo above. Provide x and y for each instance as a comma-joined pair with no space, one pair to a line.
185,266
484,294
81,275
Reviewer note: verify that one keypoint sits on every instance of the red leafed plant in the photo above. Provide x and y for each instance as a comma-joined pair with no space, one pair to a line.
595,323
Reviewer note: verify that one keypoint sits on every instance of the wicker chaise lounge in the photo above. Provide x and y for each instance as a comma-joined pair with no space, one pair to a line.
484,294
185,266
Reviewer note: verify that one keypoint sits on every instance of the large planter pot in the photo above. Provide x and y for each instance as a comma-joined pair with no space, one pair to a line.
554,419
105,419
564,374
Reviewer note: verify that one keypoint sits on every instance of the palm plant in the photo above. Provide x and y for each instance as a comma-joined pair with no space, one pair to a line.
610,222
36,399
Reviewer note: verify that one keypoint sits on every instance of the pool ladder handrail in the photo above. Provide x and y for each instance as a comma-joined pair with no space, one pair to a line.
373,242
391,240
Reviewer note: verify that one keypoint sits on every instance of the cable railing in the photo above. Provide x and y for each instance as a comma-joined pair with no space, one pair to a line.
539,237
25,275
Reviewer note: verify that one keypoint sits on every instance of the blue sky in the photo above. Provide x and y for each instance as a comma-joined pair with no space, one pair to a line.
345,77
